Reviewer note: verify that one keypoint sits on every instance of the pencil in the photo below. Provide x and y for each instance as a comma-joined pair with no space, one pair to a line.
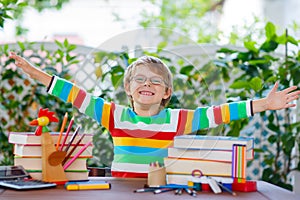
62,130
67,133
144,190
77,155
73,149
72,138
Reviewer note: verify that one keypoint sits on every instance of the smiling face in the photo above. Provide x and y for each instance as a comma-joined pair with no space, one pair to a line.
148,85
148,94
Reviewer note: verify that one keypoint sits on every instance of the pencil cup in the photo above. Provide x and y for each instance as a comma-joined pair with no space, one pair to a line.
156,176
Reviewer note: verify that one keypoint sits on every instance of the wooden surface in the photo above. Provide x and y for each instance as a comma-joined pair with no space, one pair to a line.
123,189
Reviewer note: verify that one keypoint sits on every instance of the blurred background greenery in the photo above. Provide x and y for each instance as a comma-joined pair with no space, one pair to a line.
247,61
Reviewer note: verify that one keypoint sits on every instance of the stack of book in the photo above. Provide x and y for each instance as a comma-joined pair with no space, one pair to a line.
28,153
217,156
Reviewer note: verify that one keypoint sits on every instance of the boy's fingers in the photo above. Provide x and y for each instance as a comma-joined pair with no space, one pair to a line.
290,89
275,87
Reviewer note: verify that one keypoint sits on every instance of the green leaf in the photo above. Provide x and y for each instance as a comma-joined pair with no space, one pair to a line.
250,45
272,139
270,30
269,46
58,43
161,46
273,127
186,70
239,84
21,45
226,50
256,84
292,40
281,39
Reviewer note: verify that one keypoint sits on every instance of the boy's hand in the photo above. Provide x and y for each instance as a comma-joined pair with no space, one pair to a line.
281,99
21,62
31,70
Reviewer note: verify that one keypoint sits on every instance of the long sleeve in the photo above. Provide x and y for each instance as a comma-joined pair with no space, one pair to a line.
209,117
92,106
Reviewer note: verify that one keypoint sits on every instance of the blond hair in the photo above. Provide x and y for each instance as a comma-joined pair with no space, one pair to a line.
156,66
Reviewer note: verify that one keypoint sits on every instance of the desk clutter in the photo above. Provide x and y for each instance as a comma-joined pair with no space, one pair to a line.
42,153
203,163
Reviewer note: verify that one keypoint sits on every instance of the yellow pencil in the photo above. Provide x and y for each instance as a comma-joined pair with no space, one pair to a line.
62,130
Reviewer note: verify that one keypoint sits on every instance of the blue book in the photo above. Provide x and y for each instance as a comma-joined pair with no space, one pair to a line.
205,142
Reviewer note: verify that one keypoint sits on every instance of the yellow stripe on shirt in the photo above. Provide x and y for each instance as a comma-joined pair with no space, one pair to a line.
189,121
105,115
141,142
225,113
73,94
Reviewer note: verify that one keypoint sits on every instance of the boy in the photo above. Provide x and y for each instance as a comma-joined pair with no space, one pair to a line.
143,133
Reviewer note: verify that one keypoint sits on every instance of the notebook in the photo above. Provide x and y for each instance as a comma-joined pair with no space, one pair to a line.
16,177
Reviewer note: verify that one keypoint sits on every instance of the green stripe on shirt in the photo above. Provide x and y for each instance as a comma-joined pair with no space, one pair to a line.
58,87
161,118
242,110
203,122
135,159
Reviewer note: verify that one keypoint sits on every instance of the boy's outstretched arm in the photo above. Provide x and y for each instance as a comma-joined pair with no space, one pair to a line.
277,100
31,70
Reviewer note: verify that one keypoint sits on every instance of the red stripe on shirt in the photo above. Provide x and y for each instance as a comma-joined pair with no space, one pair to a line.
217,114
143,134
79,99
182,118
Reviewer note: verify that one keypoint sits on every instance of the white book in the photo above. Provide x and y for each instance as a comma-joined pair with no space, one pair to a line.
211,142
217,155
31,138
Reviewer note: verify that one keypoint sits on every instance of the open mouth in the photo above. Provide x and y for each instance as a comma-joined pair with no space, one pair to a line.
147,93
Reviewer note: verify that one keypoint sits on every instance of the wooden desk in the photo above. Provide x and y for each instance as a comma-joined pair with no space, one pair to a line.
123,189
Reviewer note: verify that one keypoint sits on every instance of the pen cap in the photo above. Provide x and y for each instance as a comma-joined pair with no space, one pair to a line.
156,176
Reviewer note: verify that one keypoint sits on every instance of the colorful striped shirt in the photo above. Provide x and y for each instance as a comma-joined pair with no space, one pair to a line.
140,140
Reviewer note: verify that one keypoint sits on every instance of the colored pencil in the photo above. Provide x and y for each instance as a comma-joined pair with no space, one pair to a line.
73,149
72,138
67,133
62,130
77,155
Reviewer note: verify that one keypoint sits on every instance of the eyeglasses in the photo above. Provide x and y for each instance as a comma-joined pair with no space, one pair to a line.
155,80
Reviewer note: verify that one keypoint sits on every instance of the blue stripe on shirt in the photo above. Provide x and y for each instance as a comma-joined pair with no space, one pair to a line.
233,110
98,109
141,150
196,118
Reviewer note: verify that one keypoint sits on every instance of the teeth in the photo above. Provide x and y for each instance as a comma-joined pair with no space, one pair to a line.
146,93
